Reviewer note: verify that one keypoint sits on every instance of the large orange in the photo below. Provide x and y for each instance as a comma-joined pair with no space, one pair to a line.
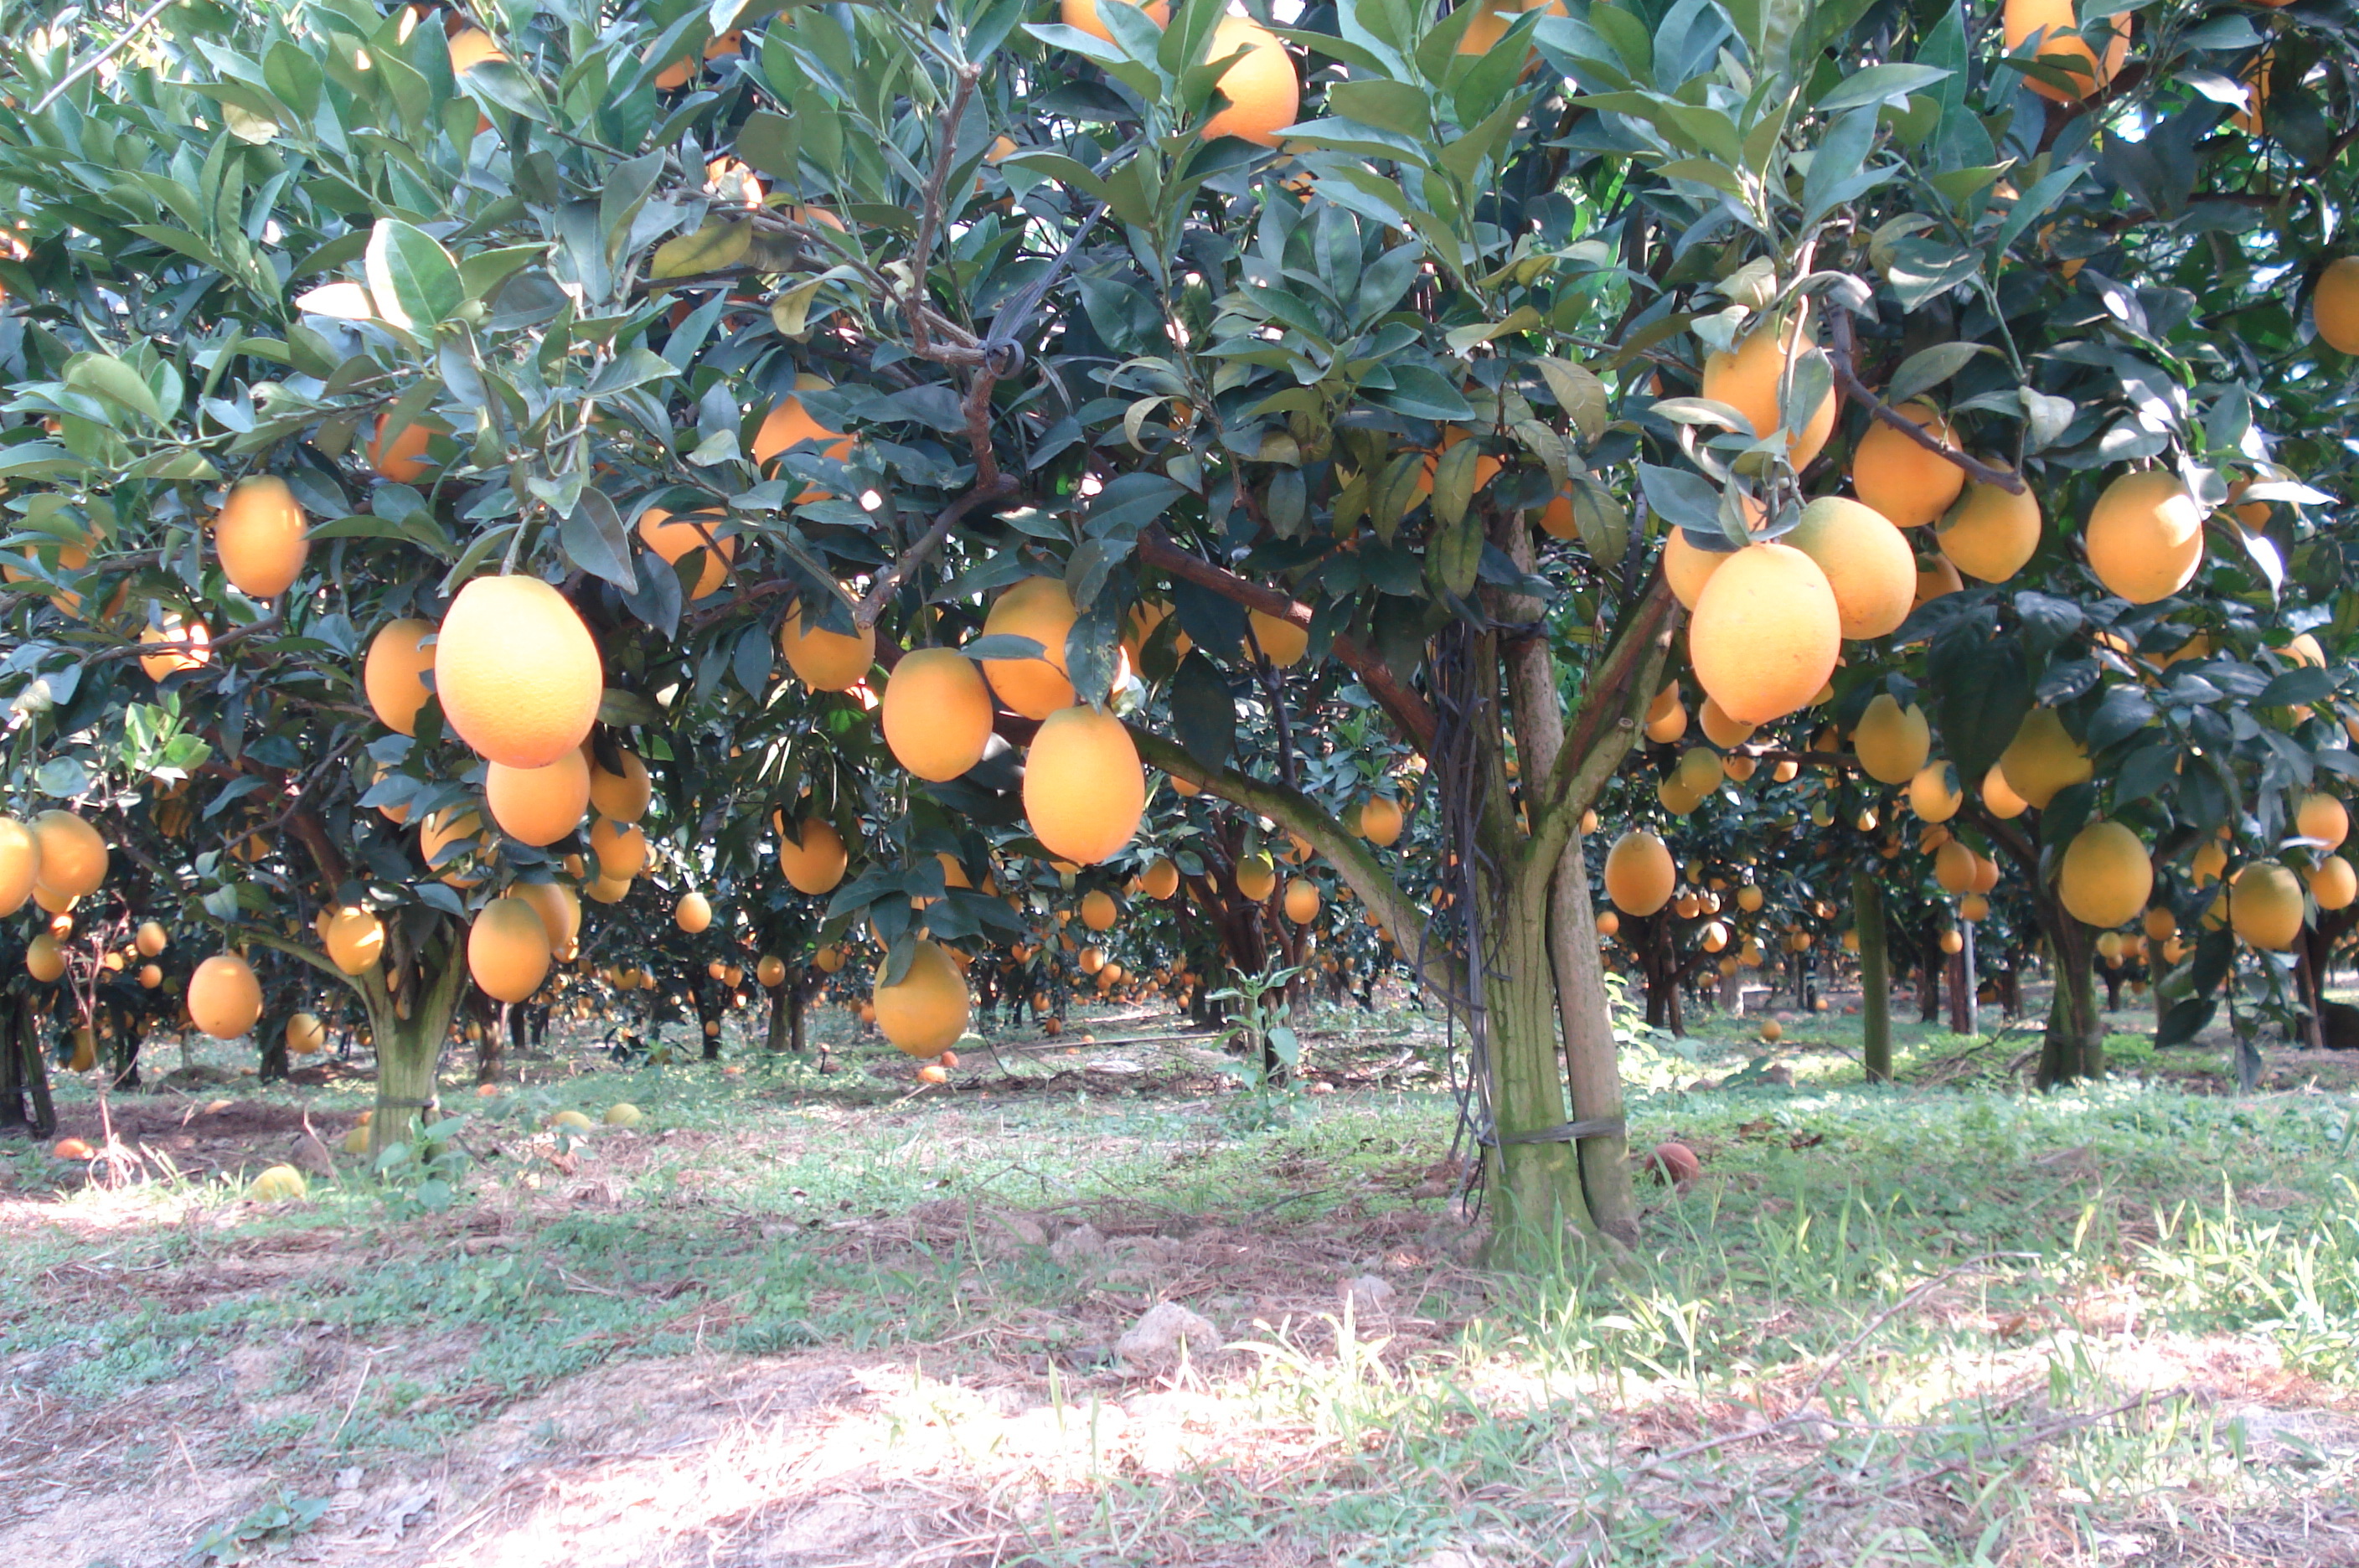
1381,821
825,660
623,796
1687,567
1993,534
1908,485
560,913
1892,742
2324,819
620,847
2042,760
812,856
1933,793
1301,900
224,997
403,459
2105,878
507,950
1720,729
445,838
1098,910
2334,883
1748,380
693,913
672,537
1640,875
393,674
790,424
517,672
1866,560
1264,94
186,647
1083,14
1281,641
2265,905
261,537
937,713
1161,879
1084,787
2063,48
73,860
540,805
1767,633
1038,608
355,939
45,961
2334,304
2145,536
926,1011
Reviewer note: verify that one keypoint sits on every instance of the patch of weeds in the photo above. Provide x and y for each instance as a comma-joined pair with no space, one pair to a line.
279,1520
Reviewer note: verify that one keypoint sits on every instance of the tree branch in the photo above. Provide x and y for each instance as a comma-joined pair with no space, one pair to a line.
1298,812
1409,710
872,603
1847,377
1614,698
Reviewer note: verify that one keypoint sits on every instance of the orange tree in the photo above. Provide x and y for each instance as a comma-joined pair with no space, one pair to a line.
2085,348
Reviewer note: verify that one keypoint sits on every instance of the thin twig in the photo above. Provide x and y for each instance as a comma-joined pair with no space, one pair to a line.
1847,377
94,62
872,603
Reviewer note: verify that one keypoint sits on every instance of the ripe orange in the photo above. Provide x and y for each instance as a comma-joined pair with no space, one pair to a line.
518,674
471,49
2105,878
2323,817
1935,577
1767,633
2145,536
540,805
1748,380
1038,608
404,459
1264,94
1933,793
1083,787
1083,14
44,960
623,796
305,1034
2044,758
790,424
20,865
355,939
1903,481
150,939
2334,883
1381,821
73,857
771,971
812,856
507,949
621,848
672,537
1866,560
1999,798
188,647
261,537
2265,905
445,838
1720,729
1161,879
926,1011
224,997
1098,910
825,660
393,674
2021,18
1301,900
1892,743
1640,875
2334,304
1993,534
937,713
1688,567
1257,876
1281,641
693,913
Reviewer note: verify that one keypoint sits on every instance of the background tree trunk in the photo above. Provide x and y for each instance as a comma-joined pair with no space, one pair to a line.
2075,1048
1875,977
409,1051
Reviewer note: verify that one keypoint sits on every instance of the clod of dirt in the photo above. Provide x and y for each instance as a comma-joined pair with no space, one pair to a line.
1157,1341
1081,1241
1674,1163
308,1155
1371,1294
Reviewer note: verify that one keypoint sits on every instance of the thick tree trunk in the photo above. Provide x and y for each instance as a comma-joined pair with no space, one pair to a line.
489,1048
1961,990
1541,1211
1930,963
24,1073
1592,1072
410,1050
2307,957
1875,977
2075,1046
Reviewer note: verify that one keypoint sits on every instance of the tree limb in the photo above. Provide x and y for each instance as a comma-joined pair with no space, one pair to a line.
1407,709
1847,377
872,603
1616,697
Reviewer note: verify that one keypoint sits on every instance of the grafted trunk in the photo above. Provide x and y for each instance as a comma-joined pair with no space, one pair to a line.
1592,1073
409,1051
24,1074
1535,1182
1875,977
2075,1046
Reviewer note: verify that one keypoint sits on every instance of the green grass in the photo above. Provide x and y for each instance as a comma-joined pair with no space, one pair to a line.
1968,1284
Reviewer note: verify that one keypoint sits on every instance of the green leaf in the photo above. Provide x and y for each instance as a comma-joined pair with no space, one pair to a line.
103,376
414,281
1387,105
1929,368
1879,84
1203,715
594,539
719,244
486,269
1579,394
1453,481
